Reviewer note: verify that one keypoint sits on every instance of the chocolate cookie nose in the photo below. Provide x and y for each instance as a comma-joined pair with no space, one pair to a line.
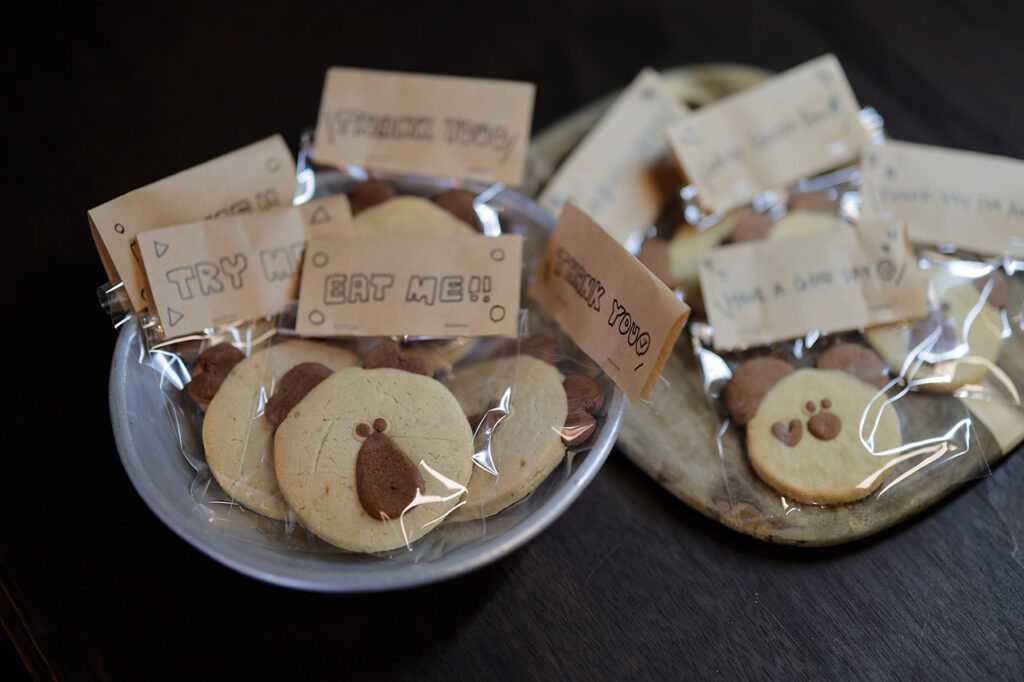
824,426
386,479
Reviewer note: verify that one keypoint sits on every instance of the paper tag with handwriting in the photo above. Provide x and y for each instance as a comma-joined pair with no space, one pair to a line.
205,273
799,123
975,201
470,128
423,285
258,177
622,174
761,292
612,306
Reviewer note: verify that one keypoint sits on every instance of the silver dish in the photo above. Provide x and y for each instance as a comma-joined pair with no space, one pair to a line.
148,441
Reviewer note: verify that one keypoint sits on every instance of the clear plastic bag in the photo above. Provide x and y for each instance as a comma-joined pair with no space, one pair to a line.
820,427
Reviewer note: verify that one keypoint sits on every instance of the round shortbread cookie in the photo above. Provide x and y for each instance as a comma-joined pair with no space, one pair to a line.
800,222
806,440
957,341
408,215
239,439
685,248
527,445
318,445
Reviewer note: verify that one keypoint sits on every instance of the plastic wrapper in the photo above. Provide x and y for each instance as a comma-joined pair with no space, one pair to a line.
523,411
672,247
819,432
971,342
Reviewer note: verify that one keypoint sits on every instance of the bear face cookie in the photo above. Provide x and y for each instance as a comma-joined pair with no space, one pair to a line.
955,344
823,436
237,436
372,459
527,443
547,413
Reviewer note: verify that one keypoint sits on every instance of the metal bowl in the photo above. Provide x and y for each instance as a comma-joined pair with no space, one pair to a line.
148,441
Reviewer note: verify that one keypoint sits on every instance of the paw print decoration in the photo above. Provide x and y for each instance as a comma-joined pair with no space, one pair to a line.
821,435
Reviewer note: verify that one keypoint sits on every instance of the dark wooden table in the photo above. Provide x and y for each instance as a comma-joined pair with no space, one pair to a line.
629,583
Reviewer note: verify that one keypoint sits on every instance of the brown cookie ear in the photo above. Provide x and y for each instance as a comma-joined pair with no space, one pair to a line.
999,290
750,384
390,354
459,203
212,368
857,361
586,398
293,387
369,193
751,228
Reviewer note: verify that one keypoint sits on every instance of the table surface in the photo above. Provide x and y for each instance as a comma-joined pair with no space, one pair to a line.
629,583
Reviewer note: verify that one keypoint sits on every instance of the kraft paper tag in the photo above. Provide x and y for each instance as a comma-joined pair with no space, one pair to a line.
612,306
766,291
430,125
205,273
975,201
622,174
258,177
424,285
799,123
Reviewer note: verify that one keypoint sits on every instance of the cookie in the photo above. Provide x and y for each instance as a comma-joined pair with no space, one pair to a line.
686,246
801,222
856,360
953,346
408,215
212,367
373,459
367,194
238,438
527,444
807,442
750,383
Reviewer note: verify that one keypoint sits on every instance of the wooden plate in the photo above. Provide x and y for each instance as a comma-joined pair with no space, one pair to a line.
677,444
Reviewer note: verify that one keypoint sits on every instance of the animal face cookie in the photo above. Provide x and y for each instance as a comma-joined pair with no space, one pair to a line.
527,444
815,436
953,346
237,436
373,459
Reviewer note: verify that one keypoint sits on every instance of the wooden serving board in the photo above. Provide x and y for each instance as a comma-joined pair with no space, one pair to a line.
677,445
676,442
